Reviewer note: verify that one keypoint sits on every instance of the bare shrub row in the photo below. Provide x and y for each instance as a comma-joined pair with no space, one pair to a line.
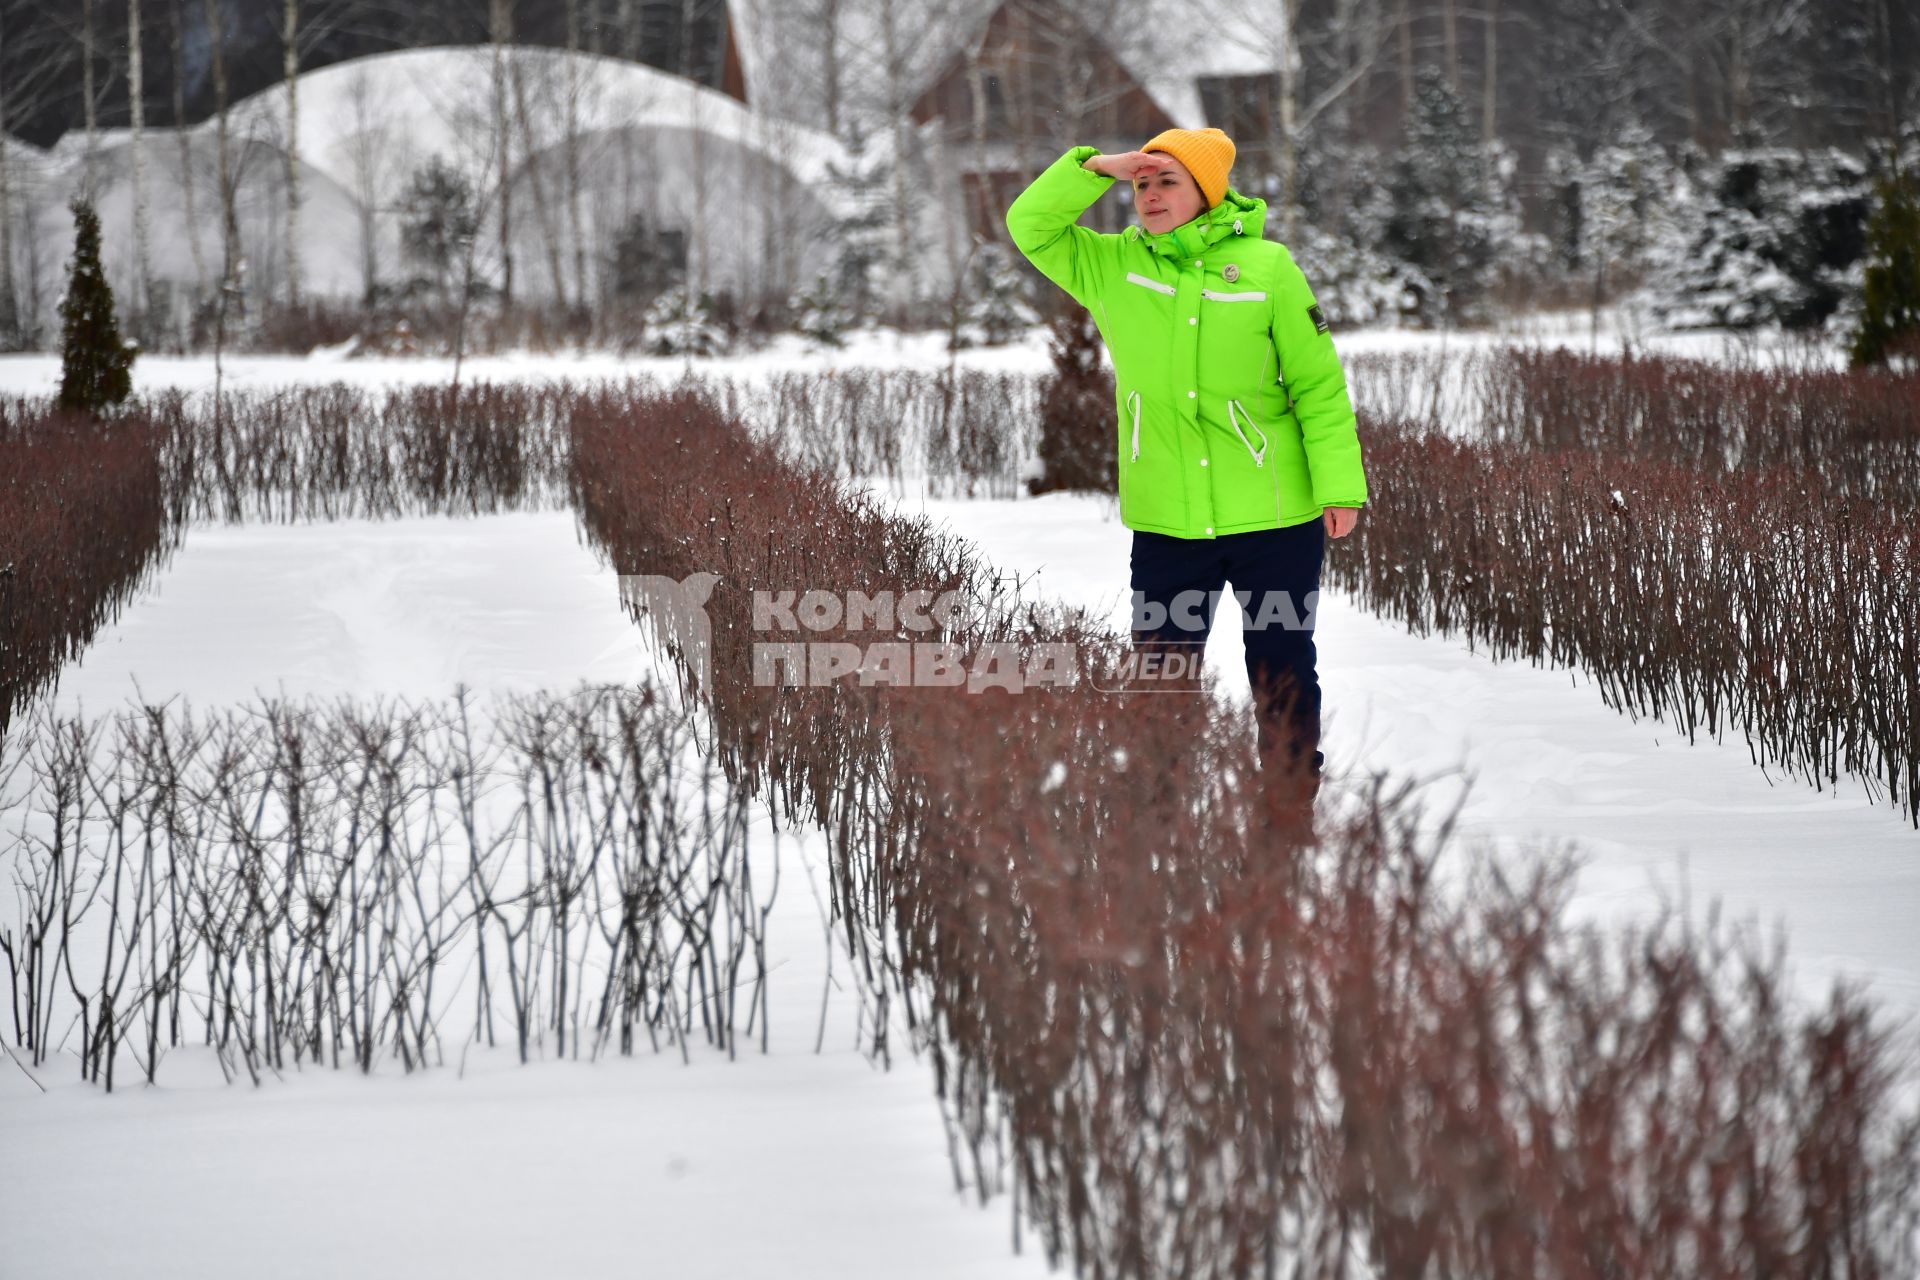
82,523
295,883
1840,435
1191,1045
338,452
964,434
1734,605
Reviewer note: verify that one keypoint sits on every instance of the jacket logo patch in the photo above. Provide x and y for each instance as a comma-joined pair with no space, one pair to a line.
1319,320
1230,273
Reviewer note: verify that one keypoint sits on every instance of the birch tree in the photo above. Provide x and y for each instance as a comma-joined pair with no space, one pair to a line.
137,110
192,224
500,33
290,68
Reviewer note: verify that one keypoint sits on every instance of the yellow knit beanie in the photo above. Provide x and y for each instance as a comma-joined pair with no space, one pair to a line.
1207,153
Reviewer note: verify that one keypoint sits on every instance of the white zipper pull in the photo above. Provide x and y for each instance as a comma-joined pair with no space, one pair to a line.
1260,454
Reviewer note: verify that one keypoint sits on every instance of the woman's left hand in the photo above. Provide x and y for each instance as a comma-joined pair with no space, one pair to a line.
1340,520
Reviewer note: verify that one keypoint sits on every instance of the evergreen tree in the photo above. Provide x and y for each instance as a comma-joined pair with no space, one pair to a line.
995,309
646,260
680,322
1890,318
1444,214
864,183
1768,236
1614,208
820,313
437,218
1077,435
96,367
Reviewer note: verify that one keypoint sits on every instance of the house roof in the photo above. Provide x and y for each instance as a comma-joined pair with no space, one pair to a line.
1166,45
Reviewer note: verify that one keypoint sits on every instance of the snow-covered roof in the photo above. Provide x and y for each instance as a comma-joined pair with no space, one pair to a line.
1167,46
1212,39
443,97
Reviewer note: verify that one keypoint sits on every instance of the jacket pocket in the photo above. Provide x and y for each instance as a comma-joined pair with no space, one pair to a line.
1151,491
1251,295
1237,411
1148,282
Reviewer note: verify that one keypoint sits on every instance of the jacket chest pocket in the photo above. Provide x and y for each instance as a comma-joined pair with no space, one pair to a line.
1230,314
1236,349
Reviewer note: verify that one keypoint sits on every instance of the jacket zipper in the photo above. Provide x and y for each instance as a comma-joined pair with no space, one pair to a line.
1133,400
1235,411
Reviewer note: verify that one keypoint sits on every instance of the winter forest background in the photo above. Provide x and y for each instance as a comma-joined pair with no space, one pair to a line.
695,174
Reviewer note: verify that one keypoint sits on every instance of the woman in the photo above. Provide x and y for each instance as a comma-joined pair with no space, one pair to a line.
1238,450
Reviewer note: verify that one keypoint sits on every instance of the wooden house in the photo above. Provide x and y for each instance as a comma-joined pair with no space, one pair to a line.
1020,81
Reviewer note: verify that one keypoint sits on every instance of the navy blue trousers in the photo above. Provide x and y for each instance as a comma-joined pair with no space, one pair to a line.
1178,583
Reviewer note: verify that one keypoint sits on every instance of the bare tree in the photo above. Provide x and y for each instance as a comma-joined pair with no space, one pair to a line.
290,67
896,51
1316,70
532,146
370,164
137,108
192,224
699,240
9,313
499,33
1490,75
571,145
88,103
229,213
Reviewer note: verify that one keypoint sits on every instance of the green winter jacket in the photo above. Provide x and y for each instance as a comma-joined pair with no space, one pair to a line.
1234,414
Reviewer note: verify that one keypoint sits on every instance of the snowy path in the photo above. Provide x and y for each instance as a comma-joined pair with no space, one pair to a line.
793,1164
1550,762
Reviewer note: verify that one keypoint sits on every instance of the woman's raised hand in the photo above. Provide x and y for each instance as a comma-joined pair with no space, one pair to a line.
1127,165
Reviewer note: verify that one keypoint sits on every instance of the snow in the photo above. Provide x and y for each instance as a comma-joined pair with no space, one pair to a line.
795,1164
792,1164
38,373
1541,759
366,124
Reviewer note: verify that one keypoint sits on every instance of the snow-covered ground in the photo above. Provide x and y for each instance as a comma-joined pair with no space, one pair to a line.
792,1164
1542,760
796,1164
38,373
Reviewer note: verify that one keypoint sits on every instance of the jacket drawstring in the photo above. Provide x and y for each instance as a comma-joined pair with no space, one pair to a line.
1133,399
1260,454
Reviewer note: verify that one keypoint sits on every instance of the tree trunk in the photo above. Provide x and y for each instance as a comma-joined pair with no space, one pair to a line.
500,28
977,131
136,103
697,237
290,66
830,63
1286,155
896,73
369,146
541,212
1405,28
186,150
574,229
1490,75
91,176
9,311
229,213
1450,21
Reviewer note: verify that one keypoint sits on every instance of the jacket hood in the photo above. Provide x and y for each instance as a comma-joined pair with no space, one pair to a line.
1235,215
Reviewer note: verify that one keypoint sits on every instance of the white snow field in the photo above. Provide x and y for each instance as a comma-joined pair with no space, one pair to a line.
796,1164
791,1164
